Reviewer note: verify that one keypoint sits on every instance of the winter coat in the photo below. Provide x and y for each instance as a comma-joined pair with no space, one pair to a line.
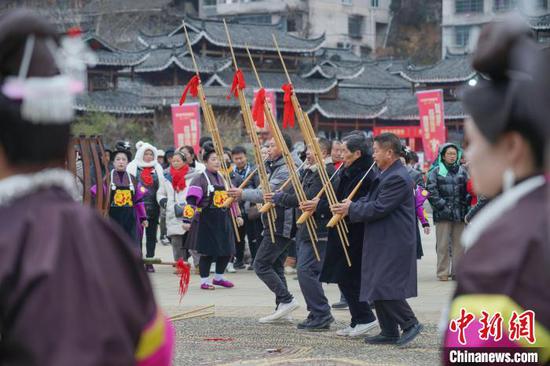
447,187
285,223
335,266
390,242
312,184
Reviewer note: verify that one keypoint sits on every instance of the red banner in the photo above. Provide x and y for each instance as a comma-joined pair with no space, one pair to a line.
403,132
272,98
432,121
186,124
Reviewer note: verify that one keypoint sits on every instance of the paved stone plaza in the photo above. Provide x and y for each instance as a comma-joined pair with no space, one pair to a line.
233,335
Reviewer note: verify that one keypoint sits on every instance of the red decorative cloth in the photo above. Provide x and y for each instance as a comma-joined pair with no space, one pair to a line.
238,82
288,110
147,176
192,86
258,108
178,177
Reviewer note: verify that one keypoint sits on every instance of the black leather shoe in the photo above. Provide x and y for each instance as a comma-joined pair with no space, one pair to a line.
381,339
340,305
317,324
410,334
303,324
239,265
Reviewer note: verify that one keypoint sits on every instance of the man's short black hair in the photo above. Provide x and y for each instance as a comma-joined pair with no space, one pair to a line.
238,150
389,141
357,142
288,140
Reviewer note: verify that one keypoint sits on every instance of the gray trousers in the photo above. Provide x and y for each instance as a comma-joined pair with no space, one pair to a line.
269,266
177,246
447,240
309,270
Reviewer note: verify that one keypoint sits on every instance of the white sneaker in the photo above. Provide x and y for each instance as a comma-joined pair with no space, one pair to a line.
283,312
290,270
344,332
213,268
362,329
230,268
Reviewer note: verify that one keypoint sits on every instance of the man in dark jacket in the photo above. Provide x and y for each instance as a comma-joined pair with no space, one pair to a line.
252,227
389,249
270,258
309,268
449,200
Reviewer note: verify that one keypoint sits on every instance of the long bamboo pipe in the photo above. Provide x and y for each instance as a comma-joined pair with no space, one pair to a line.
305,215
338,217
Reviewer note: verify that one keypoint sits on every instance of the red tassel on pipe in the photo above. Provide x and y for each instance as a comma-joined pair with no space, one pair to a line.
185,275
192,86
258,108
238,82
288,110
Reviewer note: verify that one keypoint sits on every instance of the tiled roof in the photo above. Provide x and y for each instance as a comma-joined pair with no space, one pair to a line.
161,59
344,109
329,70
539,23
168,41
274,80
375,76
403,106
453,68
119,58
154,96
256,37
111,101
338,54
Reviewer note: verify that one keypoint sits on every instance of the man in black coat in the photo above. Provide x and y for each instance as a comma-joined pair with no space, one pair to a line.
389,250
309,268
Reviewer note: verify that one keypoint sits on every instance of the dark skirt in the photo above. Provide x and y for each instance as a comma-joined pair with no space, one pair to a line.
126,219
212,233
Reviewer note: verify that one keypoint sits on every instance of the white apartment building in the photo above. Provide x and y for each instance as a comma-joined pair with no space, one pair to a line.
360,25
463,19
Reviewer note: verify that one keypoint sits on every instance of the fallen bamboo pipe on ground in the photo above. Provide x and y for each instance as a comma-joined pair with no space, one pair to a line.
229,201
338,217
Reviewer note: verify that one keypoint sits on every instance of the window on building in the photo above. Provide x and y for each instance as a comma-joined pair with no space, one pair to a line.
462,36
503,5
469,6
374,3
209,2
541,4
347,2
355,26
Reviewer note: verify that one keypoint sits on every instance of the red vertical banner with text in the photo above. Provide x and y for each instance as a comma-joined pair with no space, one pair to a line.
272,98
432,121
186,124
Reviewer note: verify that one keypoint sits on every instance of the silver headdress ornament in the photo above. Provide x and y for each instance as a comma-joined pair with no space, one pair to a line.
51,99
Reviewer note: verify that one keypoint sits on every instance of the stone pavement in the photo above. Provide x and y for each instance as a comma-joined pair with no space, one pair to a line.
233,336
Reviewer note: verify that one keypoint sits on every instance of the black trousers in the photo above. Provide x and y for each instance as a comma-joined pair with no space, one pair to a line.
360,311
254,234
151,232
269,267
240,245
394,313
206,261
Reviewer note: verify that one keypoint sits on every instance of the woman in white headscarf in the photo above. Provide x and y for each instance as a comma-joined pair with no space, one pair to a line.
149,173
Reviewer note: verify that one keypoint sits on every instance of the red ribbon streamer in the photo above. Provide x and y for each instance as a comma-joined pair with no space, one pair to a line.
258,108
192,86
184,271
238,81
288,111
